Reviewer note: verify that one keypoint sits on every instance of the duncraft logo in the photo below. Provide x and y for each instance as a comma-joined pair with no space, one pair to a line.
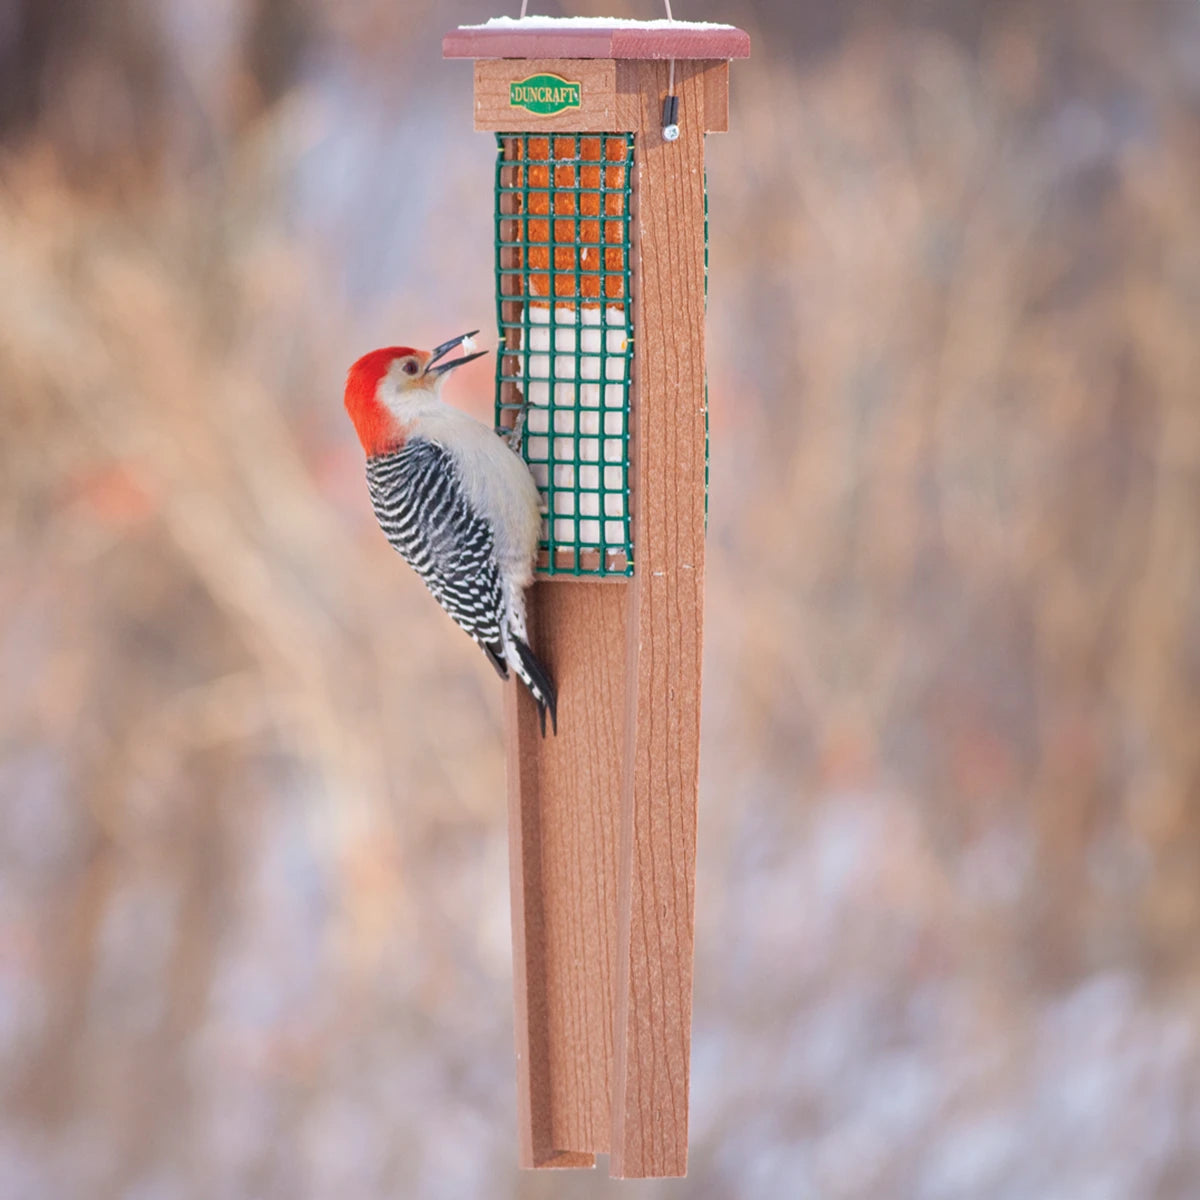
544,94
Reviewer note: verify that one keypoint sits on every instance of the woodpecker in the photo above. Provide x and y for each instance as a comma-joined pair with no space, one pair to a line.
456,501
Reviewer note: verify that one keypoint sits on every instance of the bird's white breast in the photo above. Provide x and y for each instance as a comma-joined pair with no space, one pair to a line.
497,482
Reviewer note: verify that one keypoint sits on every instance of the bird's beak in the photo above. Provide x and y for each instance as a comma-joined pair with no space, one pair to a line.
444,349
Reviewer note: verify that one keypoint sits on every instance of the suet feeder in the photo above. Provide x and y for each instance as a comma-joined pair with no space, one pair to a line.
600,231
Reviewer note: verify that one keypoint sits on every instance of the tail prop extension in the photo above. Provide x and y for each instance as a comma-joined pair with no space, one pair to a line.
537,680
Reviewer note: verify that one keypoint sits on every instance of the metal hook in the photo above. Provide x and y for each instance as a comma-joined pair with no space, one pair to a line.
670,113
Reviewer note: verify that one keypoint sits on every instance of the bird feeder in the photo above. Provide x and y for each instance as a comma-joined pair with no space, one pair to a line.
600,231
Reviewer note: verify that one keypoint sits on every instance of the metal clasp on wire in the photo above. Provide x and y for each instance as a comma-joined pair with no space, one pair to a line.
670,119
670,110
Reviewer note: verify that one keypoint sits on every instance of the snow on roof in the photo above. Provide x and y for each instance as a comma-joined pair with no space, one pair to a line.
569,23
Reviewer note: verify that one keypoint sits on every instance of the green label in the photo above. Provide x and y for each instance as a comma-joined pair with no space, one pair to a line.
544,94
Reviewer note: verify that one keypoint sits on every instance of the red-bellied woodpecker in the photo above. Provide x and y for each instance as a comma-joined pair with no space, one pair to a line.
454,499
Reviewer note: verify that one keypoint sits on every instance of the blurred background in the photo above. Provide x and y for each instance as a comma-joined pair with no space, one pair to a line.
254,933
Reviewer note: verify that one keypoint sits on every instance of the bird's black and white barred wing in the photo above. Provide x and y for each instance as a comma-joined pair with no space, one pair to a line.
423,509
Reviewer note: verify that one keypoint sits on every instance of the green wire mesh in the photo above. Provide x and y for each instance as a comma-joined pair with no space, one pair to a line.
704,178
565,323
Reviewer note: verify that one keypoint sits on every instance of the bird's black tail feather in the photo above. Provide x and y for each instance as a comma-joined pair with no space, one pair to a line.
537,680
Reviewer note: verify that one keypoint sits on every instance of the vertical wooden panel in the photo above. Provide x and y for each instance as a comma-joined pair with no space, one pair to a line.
656,895
564,805
603,818
716,97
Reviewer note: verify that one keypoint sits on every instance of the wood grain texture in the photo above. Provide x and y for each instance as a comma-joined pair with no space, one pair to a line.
607,105
657,859
564,805
716,97
598,42
601,109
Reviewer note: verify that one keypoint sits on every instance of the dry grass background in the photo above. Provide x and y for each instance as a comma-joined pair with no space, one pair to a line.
253,898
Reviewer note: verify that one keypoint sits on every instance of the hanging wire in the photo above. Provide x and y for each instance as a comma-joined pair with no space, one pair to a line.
525,5
670,113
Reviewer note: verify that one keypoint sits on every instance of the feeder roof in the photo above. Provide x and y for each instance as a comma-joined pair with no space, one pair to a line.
595,37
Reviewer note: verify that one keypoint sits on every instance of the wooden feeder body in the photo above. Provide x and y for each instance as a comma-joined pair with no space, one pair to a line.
600,228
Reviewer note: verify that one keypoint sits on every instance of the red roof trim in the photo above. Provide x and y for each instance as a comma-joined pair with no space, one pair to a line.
602,41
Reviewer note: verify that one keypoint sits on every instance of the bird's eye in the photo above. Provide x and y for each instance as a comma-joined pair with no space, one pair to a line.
410,367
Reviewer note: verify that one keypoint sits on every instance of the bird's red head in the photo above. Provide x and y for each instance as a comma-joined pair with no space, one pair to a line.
386,388
377,427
